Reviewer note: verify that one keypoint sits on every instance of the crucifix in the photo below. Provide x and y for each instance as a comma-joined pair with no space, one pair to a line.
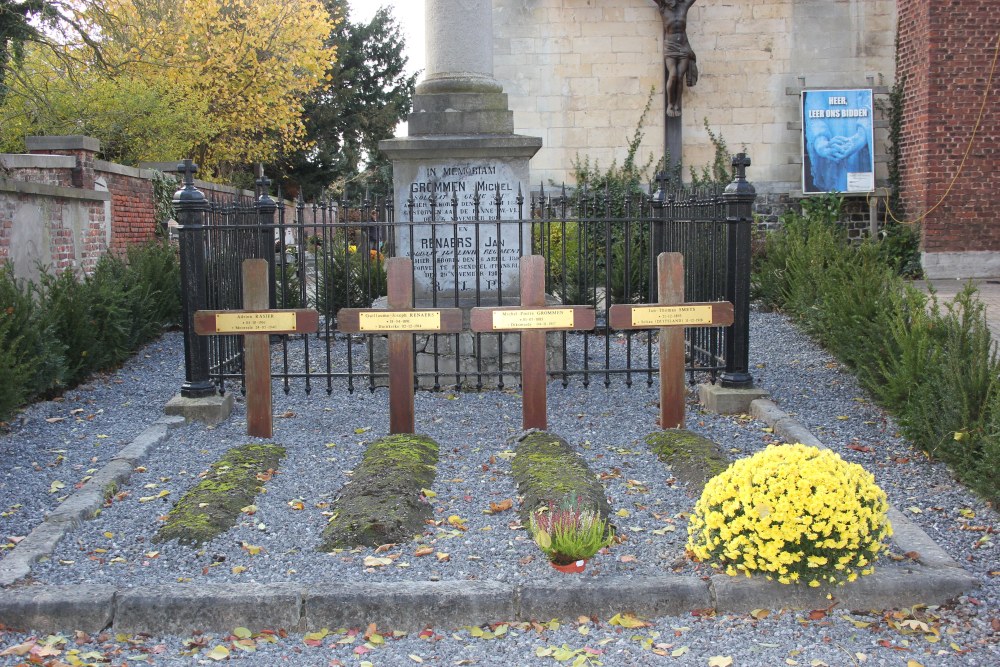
670,315
533,319
400,321
256,323
680,69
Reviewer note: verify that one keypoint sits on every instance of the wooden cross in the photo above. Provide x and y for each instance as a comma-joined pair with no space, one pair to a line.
533,319
400,320
670,315
256,324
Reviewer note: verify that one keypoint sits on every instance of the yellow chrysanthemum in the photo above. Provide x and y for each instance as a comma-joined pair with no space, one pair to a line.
794,512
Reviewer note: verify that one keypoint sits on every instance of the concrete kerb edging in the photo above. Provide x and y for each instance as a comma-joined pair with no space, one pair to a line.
932,578
82,504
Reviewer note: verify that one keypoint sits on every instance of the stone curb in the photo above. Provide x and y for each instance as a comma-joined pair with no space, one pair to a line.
932,577
82,504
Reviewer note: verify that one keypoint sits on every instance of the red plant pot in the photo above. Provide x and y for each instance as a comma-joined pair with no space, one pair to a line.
573,568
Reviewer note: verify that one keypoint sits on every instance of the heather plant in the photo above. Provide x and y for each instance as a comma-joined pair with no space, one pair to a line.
566,532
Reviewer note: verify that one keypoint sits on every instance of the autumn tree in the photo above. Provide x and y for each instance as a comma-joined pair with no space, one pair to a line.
366,94
224,79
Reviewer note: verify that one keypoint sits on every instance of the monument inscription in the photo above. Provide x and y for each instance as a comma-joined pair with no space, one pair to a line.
480,255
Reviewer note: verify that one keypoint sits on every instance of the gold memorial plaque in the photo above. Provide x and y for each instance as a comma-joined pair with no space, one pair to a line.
417,320
543,318
666,316
254,322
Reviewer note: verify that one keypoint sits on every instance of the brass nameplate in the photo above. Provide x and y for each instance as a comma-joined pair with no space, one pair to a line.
543,318
667,316
417,320
254,322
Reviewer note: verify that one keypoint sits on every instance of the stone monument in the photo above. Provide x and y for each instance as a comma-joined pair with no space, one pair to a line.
461,143
461,150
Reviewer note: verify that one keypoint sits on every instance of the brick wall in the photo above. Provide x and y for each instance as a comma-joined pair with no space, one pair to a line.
63,208
946,51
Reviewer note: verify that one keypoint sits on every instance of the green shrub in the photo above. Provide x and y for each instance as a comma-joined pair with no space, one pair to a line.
935,367
61,331
31,358
155,266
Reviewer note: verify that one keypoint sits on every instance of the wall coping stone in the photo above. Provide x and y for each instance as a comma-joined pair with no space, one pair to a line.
72,142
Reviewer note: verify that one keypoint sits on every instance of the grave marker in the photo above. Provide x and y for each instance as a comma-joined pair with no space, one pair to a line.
532,320
400,321
670,315
256,323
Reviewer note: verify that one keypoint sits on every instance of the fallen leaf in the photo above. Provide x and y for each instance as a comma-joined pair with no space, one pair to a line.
218,653
678,652
423,551
375,561
720,661
428,493
56,486
860,448
286,414
443,557
502,506
416,658
817,614
760,613
628,558
54,420
628,620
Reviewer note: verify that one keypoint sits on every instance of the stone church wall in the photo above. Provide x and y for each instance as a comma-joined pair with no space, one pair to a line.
579,72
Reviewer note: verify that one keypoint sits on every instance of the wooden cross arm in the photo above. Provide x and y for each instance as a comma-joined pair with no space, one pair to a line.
654,316
242,322
526,318
413,320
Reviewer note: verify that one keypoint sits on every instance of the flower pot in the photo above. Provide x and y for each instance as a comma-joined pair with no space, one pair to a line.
573,568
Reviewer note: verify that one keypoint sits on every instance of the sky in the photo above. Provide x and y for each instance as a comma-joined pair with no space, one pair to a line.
410,16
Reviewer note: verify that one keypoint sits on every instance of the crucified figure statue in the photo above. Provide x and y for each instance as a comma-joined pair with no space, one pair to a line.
678,56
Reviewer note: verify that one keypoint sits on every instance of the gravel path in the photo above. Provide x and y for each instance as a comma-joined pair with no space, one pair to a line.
60,442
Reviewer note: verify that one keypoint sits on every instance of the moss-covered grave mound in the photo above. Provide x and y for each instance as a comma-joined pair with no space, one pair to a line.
693,459
382,503
214,504
548,470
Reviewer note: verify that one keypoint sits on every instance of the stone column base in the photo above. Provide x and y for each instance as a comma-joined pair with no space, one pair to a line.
210,409
726,401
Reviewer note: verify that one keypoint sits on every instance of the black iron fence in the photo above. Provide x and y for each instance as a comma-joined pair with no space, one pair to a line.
600,249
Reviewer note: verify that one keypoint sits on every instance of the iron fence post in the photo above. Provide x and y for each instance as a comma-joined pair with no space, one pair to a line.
657,236
266,208
192,207
739,198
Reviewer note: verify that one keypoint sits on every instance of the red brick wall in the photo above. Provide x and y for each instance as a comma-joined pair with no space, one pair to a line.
132,211
946,52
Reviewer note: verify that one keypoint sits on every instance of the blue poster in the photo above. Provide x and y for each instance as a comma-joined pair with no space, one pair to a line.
837,141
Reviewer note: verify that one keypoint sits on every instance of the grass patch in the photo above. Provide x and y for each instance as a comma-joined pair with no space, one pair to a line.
548,471
215,503
693,459
382,503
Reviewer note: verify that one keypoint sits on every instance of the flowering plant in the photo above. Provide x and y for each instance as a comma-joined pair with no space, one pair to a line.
795,513
567,533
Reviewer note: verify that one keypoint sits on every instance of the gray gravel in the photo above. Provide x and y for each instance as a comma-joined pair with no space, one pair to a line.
325,437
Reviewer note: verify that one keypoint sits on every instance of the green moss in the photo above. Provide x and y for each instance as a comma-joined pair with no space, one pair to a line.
382,504
693,458
213,505
548,470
